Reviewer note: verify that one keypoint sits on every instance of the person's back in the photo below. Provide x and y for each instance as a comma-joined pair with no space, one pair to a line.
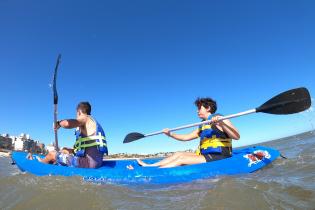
93,156
90,145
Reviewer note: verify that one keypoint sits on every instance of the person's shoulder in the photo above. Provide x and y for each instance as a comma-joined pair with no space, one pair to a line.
82,118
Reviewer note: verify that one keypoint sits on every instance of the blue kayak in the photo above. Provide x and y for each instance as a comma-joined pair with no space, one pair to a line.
243,161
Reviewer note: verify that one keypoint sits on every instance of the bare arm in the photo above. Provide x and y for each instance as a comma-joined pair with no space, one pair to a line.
227,127
182,137
71,123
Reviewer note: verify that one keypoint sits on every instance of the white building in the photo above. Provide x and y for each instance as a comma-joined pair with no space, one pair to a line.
18,144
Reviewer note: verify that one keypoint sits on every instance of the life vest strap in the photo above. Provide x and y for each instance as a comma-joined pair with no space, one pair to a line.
90,141
213,142
91,145
217,142
89,138
204,127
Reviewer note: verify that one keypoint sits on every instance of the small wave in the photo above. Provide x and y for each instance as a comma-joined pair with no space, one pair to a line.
284,184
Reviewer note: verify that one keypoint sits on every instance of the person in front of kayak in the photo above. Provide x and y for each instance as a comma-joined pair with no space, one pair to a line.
215,139
90,145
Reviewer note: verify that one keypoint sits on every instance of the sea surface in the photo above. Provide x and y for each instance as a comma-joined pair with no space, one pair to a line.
285,184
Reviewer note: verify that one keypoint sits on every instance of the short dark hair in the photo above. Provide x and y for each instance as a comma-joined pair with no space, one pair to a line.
207,102
85,107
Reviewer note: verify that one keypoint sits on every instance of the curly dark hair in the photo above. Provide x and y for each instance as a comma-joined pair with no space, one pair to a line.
85,107
207,102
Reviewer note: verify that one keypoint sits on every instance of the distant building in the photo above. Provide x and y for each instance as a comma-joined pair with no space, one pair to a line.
29,145
18,144
5,142
21,143
24,143
40,148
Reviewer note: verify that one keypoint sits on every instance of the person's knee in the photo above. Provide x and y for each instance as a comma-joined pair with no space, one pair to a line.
183,155
178,154
183,158
64,151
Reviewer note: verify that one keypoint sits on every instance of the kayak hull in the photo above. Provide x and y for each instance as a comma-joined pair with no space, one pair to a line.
243,161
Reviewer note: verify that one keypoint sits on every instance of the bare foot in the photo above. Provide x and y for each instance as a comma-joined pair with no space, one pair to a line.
130,167
29,156
39,159
141,163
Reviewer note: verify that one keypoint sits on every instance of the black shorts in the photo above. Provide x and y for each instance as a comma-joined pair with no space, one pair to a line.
214,157
226,153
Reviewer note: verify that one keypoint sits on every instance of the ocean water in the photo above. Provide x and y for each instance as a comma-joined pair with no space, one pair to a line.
285,184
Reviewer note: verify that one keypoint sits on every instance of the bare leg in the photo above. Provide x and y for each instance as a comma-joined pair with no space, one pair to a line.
29,156
67,151
162,162
185,159
130,167
50,158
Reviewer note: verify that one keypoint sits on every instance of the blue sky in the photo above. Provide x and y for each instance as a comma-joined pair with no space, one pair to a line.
141,64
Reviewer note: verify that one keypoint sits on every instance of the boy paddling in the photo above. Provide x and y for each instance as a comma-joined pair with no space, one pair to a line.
215,139
90,145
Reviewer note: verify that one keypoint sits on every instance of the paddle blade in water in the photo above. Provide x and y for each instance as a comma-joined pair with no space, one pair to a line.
289,102
133,136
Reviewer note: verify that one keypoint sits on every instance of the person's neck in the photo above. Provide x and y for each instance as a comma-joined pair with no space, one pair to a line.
82,115
207,116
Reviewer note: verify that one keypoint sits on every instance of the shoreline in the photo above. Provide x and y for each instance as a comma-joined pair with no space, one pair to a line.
7,153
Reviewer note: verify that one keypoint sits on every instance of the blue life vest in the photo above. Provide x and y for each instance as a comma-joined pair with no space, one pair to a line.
98,139
212,139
